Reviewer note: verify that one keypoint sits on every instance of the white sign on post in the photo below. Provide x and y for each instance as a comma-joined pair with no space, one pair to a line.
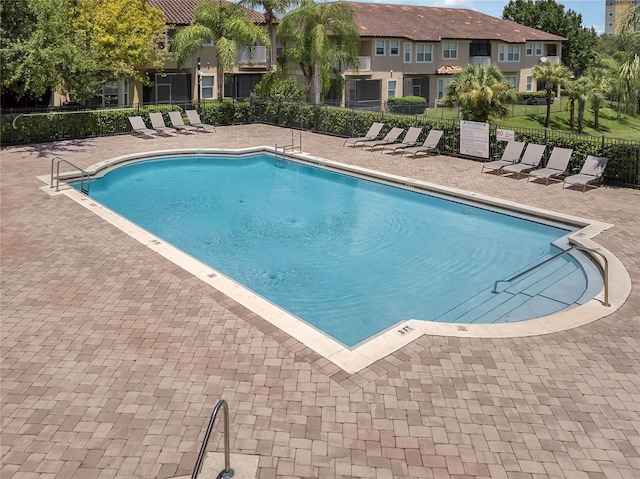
505,135
474,139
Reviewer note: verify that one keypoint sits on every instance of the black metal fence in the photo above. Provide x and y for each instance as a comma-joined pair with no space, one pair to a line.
40,125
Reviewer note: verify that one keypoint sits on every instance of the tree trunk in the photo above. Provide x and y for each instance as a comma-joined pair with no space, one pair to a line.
220,79
270,34
546,121
572,112
596,116
317,82
581,107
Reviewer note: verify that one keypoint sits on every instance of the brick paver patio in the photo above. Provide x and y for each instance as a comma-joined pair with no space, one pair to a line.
113,357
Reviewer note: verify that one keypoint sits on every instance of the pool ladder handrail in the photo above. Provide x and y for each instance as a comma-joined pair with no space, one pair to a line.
290,136
562,253
83,174
227,471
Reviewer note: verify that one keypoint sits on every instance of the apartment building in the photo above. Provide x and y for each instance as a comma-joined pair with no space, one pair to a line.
614,11
173,85
404,51
416,50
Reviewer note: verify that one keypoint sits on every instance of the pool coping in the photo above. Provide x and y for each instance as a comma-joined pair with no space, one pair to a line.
354,359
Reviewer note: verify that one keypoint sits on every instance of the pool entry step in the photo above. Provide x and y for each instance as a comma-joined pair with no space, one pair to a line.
552,288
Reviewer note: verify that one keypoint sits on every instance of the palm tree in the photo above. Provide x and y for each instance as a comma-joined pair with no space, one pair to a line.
481,92
226,24
271,9
629,72
580,88
317,37
600,84
552,75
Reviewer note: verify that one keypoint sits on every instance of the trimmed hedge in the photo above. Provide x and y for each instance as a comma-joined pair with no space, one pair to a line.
70,125
624,156
408,105
532,97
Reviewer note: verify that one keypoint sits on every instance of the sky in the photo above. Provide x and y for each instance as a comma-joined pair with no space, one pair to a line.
592,11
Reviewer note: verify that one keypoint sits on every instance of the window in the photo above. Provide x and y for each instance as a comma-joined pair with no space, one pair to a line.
442,87
380,48
511,80
391,88
529,83
533,49
394,48
111,94
407,53
509,53
424,53
450,50
169,88
207,86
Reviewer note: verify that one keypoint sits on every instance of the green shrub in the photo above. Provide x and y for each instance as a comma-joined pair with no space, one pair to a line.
532,97
408,105
274,88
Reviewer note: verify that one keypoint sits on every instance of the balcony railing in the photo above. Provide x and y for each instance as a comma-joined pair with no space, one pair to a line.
256,56
486,61
364,64
554,60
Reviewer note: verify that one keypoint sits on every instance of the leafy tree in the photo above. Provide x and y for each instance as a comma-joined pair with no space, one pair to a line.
552,75
37,41
482,92
228,25
549,16
76,45
120,35
317,36
273,86
271,9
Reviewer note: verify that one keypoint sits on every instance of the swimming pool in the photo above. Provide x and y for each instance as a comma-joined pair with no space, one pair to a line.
348,255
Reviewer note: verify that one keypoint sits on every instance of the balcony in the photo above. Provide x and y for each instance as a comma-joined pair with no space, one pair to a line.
364,64
252,57
553,60
484,61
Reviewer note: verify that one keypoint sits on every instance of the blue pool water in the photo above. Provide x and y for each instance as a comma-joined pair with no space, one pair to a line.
349,256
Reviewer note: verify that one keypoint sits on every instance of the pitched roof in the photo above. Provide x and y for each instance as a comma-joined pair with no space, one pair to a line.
181,12
433,24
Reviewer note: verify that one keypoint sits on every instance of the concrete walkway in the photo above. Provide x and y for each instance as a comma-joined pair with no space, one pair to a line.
113,357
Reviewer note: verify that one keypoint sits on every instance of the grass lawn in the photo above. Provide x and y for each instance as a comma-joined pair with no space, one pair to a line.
628,127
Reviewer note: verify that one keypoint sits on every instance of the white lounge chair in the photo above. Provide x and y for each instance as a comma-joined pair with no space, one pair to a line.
194,120
372,134
178,123
157,123
591,172
410,139
429,145
556,165
389,138
510,155
139,128
530,160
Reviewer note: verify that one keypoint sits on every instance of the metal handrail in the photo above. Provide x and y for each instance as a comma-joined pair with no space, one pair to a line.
290,144
562,253
83,175
227,472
